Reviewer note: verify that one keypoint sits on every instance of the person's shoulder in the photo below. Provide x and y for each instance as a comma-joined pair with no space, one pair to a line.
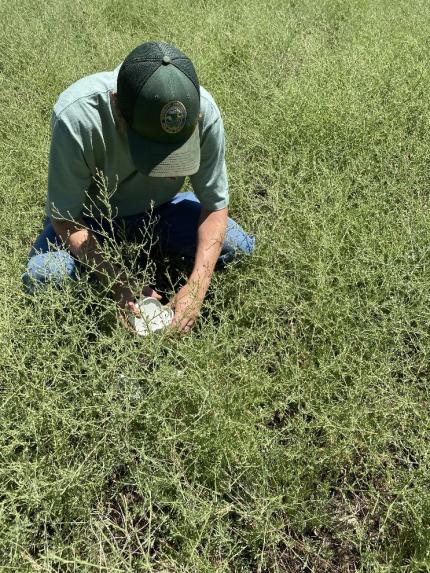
211,116
208,107
84,98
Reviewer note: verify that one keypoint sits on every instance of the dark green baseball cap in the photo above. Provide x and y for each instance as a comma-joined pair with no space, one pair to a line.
158,94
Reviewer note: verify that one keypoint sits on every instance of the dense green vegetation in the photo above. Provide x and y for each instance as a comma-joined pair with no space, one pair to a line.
290,431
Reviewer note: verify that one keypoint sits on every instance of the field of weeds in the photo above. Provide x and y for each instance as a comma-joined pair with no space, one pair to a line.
289,432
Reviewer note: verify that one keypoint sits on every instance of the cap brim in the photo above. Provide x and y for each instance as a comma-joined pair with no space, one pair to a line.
165,159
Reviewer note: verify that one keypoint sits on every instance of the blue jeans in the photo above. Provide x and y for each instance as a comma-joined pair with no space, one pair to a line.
175,229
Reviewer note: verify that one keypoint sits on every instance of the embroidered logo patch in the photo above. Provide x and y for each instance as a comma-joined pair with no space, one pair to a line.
173,117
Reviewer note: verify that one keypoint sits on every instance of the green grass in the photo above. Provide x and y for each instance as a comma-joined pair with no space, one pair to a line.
290,431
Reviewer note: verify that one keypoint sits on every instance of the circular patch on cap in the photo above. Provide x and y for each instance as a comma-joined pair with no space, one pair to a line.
173,117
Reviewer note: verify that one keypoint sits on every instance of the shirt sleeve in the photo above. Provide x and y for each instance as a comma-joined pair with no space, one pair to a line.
68,174
210,183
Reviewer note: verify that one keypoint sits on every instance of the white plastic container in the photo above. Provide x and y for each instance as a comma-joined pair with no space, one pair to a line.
154,315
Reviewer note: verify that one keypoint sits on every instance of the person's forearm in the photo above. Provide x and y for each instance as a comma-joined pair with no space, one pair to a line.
210,239
84,246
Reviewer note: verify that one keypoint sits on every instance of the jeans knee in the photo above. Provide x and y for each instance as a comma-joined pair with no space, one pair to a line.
243,245
247,245
52,267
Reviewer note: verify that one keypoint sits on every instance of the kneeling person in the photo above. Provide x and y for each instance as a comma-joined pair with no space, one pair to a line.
143,127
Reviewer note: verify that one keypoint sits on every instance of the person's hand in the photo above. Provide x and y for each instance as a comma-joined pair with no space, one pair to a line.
186,305
126,300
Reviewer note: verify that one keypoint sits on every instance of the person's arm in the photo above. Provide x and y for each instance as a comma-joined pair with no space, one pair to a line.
210,238
68,179
84,246
210,185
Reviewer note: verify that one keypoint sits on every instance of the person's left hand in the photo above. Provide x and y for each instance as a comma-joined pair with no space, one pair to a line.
186,304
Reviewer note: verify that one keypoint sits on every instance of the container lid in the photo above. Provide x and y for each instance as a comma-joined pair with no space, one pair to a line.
154,316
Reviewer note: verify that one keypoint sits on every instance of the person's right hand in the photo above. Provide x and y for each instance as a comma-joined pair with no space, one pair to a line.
126,298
